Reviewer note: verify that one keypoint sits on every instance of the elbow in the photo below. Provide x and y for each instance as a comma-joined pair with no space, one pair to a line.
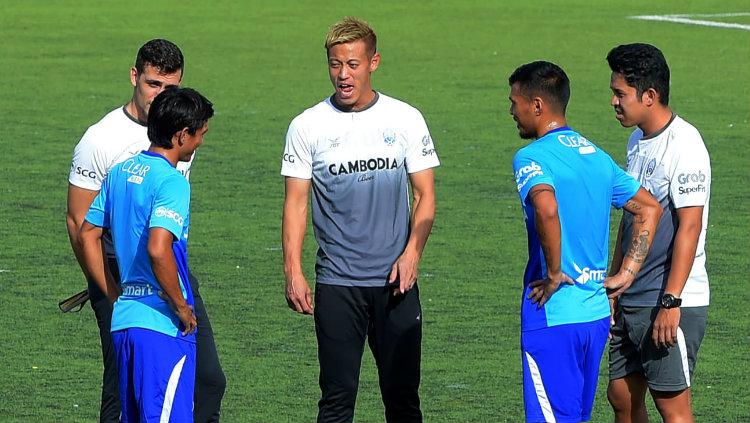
547,213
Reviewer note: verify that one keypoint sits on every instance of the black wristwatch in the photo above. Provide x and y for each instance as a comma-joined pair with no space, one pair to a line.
670,301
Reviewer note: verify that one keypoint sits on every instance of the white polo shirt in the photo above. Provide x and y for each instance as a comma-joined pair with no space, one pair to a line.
116,137
674,166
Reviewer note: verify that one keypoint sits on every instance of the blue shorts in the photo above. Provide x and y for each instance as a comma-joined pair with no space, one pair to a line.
561,370
157,376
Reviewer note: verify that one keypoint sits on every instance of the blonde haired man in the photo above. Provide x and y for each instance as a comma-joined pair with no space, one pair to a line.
358,150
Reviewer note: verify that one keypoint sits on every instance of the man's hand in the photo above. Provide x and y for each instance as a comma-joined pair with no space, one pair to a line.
405,269
542,289
664,333
298,295
617,284
184,312
187,317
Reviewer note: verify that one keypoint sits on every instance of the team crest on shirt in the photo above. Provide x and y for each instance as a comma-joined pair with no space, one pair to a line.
389,137
650,168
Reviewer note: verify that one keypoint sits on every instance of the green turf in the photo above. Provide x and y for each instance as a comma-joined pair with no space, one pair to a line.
65,64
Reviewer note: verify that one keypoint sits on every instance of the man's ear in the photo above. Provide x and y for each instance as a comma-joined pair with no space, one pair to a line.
180,135
650,97
537,105
133,76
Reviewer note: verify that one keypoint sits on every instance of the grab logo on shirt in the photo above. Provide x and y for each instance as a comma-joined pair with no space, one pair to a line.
527,172
691,178
162,211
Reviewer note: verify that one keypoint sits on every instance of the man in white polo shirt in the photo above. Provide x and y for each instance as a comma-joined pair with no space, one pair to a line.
358,150
660,319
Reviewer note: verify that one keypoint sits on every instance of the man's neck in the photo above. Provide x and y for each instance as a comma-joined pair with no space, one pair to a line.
172,155
657,120
135,112
550,124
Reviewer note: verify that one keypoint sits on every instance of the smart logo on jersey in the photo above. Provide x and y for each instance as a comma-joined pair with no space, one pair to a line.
527,172
162,211
587,274
695,178
358,166
577,141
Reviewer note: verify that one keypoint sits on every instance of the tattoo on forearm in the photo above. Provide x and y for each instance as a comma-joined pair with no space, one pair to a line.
629,270
639,247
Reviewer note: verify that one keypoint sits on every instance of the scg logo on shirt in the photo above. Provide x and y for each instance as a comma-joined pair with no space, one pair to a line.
289,158
527,172
162,211
85,172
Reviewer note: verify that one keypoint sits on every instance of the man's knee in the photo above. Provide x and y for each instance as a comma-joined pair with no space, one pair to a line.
674,407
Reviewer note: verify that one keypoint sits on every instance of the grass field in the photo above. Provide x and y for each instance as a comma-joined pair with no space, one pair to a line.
261,63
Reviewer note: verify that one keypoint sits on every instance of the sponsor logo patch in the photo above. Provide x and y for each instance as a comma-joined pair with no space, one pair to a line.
577,141
586,274
288,158
524,174
162,211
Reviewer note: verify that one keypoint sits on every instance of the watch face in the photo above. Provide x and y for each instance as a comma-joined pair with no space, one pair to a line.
669,301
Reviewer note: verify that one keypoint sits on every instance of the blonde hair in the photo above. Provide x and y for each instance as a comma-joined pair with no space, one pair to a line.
352,29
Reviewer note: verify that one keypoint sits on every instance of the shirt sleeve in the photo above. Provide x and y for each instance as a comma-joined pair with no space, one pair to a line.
690,174
297,159
624,186
171,206
529,172
99,210
89,166
420,150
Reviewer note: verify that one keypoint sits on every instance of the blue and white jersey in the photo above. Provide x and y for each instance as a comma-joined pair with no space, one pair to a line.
141,193
359,163
587,182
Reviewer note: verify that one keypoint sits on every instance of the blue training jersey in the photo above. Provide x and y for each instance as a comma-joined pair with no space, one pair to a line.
587,182
141,193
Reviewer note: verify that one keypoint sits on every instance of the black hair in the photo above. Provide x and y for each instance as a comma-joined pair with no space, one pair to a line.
643,66
162,54
545,80
174,109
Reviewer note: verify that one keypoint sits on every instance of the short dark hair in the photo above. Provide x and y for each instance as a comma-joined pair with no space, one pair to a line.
545,80
162,54
176,108
643,66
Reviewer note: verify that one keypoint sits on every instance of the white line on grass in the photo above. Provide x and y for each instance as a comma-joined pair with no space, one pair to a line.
686,20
